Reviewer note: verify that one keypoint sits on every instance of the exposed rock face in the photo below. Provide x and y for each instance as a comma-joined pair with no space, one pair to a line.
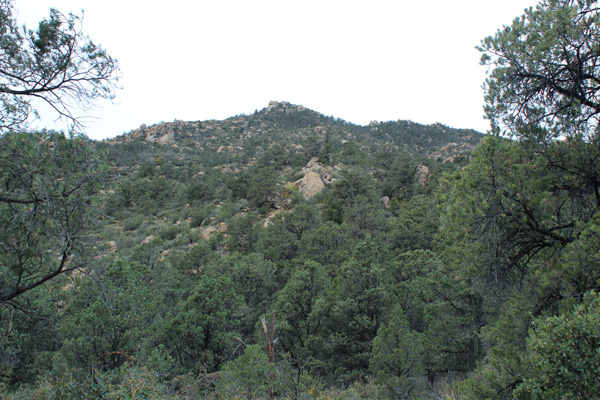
314,163
213,230
228,149
311,184
162,133
283,106
148,239
314,177
422,174
386,202
169,138
272,105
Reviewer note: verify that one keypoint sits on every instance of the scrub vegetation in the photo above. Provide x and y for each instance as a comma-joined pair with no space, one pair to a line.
285,254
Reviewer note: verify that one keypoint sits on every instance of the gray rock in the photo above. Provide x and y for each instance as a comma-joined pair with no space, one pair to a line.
386,202
311,184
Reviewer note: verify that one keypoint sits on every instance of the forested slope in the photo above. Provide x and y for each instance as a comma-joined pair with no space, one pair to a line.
204,228
286,254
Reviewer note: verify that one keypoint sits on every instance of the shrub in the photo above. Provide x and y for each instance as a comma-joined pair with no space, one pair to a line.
170,233
133,223
565,349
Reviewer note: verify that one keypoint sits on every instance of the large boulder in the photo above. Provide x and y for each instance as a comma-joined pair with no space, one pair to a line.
168,138
386,202
311,184
227,149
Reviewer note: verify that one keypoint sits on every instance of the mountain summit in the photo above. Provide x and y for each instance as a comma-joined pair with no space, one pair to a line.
296,127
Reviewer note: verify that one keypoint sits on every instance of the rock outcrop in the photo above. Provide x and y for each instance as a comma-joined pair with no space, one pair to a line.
148,239
162,133
227,149
311,184
422,174
283,106
314,177
386,202
207,232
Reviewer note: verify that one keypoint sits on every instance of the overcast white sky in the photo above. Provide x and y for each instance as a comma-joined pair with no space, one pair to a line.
357,60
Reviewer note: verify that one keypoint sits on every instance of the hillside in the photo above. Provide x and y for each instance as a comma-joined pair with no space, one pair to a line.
206,227
286,254
258,161
202,228
300,130
291,255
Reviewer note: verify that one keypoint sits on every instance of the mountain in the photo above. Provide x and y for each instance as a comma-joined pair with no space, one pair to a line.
255,161
296,128
287,145
204,228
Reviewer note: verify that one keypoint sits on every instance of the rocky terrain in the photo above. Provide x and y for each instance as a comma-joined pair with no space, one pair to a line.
282,122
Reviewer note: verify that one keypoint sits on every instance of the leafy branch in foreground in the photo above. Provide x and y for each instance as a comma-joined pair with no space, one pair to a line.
56,64
546,71
47,182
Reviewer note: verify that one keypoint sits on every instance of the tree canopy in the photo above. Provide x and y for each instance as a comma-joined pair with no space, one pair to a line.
545,76
56,64
478,282
47,178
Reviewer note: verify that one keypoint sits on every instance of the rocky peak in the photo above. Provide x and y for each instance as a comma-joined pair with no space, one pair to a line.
283,106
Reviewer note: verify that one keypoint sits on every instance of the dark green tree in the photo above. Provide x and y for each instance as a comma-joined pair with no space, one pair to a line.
396,360
277,243
107,319
208,187
56,64
543,84
398,181
254,278
46,207
244,232
201,336
331,244
545,71
361,302
416,224
516,206
251,375
28,340
303,218
262,186
410,285
48,180
353,154
302,308
527,207
564,351
354,199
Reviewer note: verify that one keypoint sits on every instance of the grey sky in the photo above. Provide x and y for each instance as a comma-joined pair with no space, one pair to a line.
356,60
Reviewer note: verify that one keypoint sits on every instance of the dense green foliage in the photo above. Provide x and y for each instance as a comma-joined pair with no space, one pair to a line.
565,360
398,260
192,251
